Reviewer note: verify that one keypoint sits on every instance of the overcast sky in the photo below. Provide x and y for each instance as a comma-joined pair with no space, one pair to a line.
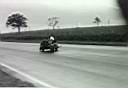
71,13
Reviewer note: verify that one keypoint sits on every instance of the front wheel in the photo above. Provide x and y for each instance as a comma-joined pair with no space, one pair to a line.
56,49
41,50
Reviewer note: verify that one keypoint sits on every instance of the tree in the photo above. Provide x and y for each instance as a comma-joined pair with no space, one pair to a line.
97,20
16,20
123,4
53,21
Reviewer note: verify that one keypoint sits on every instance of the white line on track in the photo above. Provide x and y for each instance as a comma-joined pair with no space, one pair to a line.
103,54
73,53
35,80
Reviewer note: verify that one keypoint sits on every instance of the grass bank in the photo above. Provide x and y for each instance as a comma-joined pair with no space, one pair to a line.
104,35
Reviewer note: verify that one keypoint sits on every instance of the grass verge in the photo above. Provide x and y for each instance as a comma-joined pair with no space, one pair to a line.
7,80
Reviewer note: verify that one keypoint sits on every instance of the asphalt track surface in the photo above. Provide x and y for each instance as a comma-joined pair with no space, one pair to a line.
73,66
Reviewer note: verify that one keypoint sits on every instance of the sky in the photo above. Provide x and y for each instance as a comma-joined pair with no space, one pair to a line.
71,13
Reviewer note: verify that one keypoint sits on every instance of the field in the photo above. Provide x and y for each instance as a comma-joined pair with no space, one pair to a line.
103,35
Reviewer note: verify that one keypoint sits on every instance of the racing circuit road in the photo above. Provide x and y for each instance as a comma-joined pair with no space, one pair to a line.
73,66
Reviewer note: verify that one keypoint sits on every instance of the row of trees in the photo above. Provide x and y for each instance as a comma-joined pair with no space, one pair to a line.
18,20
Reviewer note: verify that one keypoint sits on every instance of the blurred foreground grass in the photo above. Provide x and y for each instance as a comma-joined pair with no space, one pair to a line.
7,80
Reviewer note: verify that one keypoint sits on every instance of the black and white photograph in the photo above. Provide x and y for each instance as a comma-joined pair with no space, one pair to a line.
64,43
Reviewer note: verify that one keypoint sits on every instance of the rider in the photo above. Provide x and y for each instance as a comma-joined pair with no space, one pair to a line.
51,38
